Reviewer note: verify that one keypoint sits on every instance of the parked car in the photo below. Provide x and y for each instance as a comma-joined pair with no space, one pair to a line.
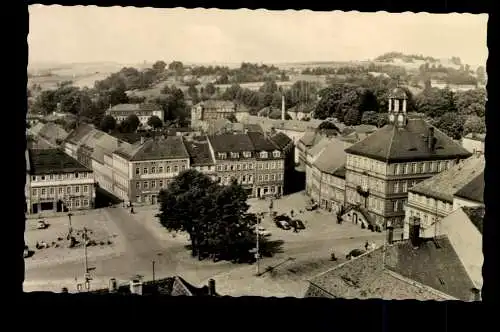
263,232
355,253
282,217
311,206
41,224
300,224
282,224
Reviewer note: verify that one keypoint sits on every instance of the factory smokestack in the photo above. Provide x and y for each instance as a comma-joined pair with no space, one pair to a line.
282,107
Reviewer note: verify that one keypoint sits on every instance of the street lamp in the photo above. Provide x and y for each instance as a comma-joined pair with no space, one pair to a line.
70,226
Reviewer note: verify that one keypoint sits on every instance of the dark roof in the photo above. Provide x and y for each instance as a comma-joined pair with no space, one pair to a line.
476,216
135,107
340,172
170,147
332,157
364,277
231,143
253,127
281,140
474,190
261,142
199,151
53,161
393,144
434,263
445,184
78,133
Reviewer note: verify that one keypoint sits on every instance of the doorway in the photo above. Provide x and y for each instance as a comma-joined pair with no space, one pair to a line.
154,200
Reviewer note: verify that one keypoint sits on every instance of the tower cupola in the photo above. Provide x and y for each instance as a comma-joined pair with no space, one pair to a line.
397,107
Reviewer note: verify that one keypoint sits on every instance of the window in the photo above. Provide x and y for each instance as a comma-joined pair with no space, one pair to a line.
160,169
33,178
76,176
250,166
420,168
160,183
51,177
273,165
247,154
238,167
263,154
235,155
85,189
245,166
425,167
267,165
396,206
183,167
153,184
145,170
43,177
273,177
266,177
405,186
176,169
153,170
68,190
43,191
85,202
250,178
61,190
260,177
52,190
276,154
34,192
145,185
84,175
413,168
77,203
440,166
222,155
137,185
168,169
396,187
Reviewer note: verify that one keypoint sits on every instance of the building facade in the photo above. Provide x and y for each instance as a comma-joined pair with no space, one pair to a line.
143,111
474,143
382,168
211,110
58,183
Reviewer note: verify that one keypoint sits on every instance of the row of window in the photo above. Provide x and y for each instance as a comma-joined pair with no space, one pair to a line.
159,169
248,179
425,219
401,168
402,186
153,184
50,191
250,166
247,154
375,203
430,202
63,176
77,203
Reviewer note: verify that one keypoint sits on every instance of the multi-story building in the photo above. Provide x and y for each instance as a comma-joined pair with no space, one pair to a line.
313,175
473,142
211,110
286,146
58,183
143,111
381,168
252,159
142,171
433,199
328,176
201,156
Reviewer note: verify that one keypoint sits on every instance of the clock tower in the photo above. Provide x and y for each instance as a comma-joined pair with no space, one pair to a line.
397,107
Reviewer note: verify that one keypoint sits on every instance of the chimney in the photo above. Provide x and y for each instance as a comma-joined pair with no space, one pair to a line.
113,285
431,140
136,287
211,287
283,117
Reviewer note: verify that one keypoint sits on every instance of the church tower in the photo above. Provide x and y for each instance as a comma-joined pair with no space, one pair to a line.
397,107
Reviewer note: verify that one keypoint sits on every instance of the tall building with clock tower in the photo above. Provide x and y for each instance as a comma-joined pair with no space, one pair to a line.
381,168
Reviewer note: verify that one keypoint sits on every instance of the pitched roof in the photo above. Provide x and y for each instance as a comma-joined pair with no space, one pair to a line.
199,151
250,127
281,140
219,104
135,107
79,133
319,147
445,184
53,132
231,143
474,190
332,157
392,144
437,266
476,216
170,147
308,138
53,161
36,128
364,277
292,125
261,142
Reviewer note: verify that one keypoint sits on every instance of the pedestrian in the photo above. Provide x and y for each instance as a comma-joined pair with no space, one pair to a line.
367,245
295,230
132,210
291,213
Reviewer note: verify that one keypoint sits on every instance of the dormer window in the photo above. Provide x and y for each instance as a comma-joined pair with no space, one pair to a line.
276,154
222,155
263,154
247,154
235,155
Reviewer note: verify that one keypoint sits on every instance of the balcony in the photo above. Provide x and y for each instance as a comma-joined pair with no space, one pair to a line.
363,192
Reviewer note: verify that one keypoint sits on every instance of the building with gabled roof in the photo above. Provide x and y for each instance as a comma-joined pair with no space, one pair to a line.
58,183
400,271
143,111
201,156
433,199
210,110
145,168
382,167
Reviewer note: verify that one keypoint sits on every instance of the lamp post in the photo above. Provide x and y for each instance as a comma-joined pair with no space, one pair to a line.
257,246
153,262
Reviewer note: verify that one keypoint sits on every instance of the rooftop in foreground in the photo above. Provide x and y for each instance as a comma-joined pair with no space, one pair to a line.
54,161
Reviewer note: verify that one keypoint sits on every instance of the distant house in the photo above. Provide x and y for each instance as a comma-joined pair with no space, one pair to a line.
143,111
201,156
212,110
301,111
474,142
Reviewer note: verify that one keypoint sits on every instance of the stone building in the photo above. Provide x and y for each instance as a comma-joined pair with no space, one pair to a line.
433,199
201,156
381,168
211,110
57,183
143,111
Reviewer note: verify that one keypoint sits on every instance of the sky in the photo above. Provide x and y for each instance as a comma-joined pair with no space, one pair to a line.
132,35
